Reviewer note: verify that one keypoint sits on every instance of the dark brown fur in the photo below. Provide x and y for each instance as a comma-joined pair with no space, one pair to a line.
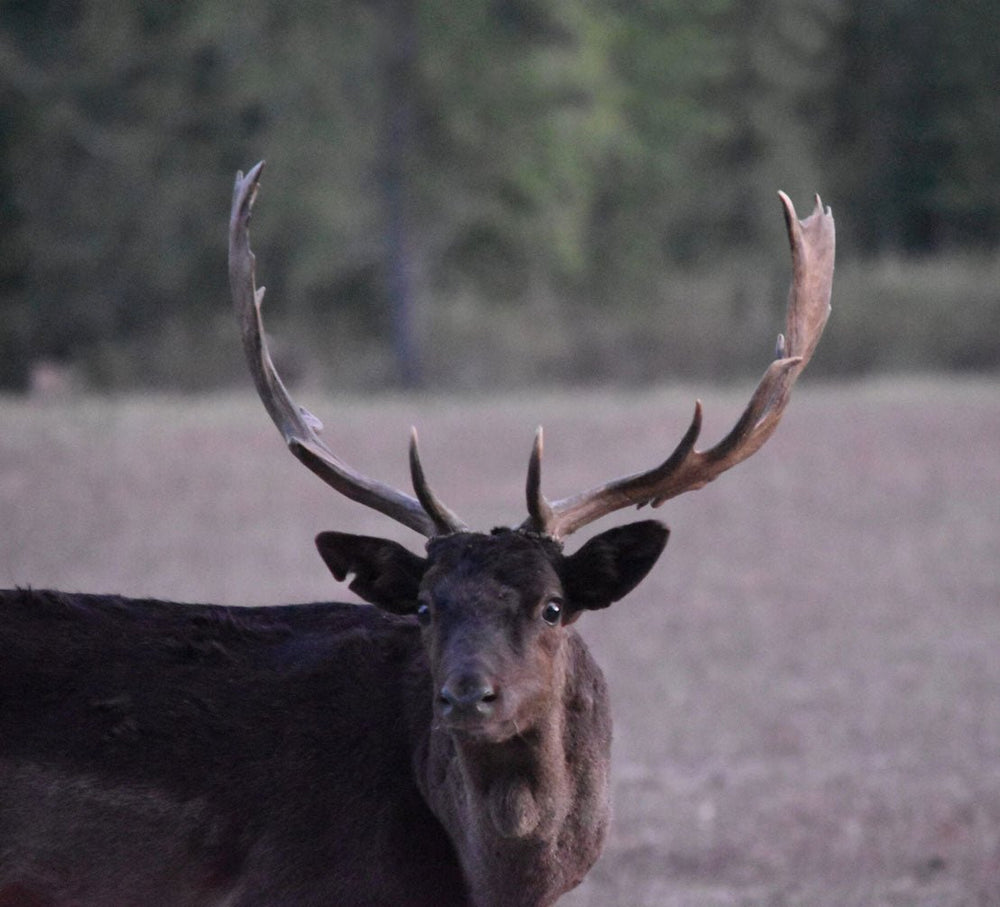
161,754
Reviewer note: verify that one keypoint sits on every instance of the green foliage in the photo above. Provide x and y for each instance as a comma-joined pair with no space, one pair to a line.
550,176
915,130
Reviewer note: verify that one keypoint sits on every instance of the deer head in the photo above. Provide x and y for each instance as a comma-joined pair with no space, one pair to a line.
520,728
492,608
519,580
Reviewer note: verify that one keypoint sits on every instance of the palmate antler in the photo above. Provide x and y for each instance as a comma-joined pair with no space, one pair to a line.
812,242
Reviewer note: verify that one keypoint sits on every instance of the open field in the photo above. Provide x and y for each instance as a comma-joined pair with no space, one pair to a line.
806,689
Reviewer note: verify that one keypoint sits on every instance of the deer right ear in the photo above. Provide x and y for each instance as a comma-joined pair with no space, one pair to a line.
385,573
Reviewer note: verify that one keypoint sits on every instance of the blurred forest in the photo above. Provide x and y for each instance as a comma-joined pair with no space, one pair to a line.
492,192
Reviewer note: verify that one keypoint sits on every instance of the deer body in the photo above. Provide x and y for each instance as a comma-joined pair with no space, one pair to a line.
168,754
208,755
448,747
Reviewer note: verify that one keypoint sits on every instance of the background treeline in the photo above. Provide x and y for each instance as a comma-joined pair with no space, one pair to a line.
472,193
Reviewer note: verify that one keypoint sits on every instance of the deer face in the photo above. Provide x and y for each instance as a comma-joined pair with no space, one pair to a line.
494,611
491,609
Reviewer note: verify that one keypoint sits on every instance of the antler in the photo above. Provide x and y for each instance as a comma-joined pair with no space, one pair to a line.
812,241
425,514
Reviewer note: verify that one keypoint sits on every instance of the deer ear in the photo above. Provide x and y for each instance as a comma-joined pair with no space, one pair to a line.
612,564
385,573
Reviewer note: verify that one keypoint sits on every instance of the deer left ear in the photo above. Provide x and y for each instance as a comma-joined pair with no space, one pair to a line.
612,564
385,573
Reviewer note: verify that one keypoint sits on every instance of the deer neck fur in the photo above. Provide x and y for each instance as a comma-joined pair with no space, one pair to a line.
527,816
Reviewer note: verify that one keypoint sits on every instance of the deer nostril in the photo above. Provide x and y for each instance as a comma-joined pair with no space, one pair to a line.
469,695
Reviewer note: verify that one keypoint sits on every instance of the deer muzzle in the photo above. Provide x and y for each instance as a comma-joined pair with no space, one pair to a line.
467,697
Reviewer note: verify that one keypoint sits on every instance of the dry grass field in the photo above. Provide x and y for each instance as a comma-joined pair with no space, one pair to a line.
806,689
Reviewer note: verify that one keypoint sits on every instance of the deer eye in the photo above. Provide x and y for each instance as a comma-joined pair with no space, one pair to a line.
552,612
424,615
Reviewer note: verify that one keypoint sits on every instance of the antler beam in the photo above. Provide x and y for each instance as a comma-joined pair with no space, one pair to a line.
298,426
813,242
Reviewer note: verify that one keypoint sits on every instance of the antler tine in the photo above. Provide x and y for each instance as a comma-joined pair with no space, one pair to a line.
297,426
445,520
539,510
813,242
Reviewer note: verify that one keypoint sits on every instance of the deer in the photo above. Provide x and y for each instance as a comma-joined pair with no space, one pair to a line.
445,744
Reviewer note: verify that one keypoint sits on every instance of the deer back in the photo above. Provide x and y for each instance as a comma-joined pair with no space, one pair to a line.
154,753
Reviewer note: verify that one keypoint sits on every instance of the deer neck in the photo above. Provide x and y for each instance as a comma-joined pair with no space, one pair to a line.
528,814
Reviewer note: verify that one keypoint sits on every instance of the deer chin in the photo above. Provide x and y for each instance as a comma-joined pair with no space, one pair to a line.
479,730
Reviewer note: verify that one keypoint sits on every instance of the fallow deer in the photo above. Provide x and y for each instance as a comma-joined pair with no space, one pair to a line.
449,746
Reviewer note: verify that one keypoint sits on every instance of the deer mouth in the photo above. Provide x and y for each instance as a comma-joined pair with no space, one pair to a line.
485,721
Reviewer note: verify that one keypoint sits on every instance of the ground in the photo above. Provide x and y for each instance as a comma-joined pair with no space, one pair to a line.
806,689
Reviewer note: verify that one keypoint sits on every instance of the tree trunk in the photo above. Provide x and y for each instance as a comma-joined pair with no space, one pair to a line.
400,60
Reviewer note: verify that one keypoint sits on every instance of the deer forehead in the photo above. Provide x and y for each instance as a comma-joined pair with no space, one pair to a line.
506,570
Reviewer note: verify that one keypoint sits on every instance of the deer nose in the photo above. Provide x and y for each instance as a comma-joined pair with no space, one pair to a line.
467,696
